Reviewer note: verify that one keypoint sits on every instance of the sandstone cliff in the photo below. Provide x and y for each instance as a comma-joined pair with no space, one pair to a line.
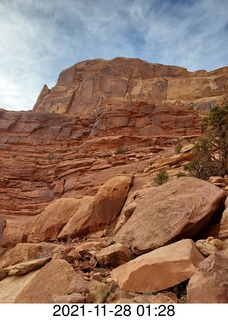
88,87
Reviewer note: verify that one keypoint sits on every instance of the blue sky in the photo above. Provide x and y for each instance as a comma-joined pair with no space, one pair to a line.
38,39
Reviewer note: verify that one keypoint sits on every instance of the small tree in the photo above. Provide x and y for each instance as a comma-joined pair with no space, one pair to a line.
211,151
161,178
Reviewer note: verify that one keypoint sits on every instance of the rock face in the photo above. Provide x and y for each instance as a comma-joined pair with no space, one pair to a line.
53,279
209,245
210,283
177,209
98,212
159,269
50,222
93,84
223,228
24,252
11,287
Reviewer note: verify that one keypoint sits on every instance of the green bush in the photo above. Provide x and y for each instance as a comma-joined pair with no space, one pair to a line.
178,148
181,174
51,156
161,178
120,150
211,150
149,144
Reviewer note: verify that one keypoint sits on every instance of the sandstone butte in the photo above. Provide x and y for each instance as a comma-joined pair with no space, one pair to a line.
79,218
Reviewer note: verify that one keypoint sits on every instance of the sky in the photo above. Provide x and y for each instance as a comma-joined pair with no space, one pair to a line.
40,38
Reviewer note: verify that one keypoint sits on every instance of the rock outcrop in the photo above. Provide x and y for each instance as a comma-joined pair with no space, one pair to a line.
53,279
91,85
98,212
159,269
177,209
210,283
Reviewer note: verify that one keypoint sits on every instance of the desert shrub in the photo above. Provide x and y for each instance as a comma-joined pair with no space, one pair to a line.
178,148
149,144
211,150
161,178
120,150
181,174
50,156
101,294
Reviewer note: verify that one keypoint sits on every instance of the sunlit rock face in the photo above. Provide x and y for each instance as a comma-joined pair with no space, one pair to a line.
89,86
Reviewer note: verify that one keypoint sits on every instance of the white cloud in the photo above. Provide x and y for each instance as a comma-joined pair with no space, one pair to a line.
40,38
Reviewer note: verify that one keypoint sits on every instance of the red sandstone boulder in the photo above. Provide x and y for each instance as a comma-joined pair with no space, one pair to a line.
210,282
96,213
177,209
49,223
159,269
23,252
52,280
11,287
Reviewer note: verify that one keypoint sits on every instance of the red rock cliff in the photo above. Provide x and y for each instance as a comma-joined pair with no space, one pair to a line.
89,86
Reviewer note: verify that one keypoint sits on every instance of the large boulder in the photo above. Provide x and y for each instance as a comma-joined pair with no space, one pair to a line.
52,280
96,213
49,223
177,209
23,252
11,287
210,283
159,269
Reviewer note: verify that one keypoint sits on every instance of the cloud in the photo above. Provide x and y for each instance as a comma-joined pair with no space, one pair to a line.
41,38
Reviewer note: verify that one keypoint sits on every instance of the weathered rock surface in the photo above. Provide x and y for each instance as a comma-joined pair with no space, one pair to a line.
129,297
50,222
78,285
72,298
177,209
52,280
159,269
210,245
223,228
11,287
26,267
96,213
114,255
98,292
93,84
24,252
210,283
